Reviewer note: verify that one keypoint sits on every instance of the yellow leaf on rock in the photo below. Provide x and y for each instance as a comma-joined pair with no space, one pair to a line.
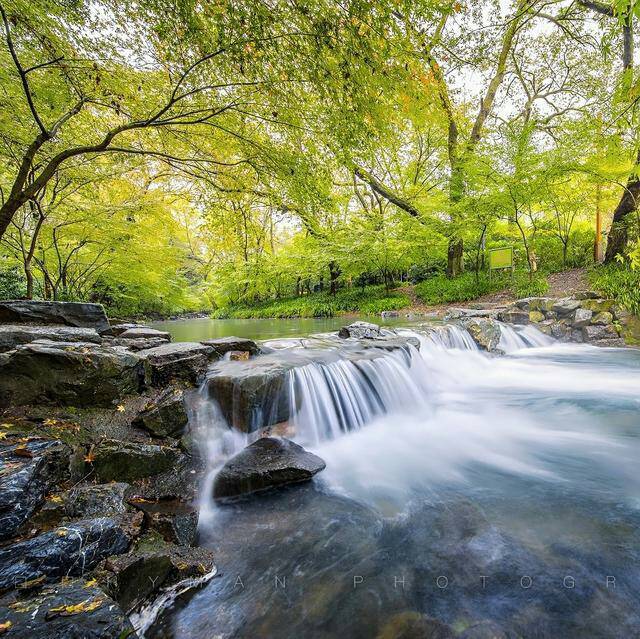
5,626
120,408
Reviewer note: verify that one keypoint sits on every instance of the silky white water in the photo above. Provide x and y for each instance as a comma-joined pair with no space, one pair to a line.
442,460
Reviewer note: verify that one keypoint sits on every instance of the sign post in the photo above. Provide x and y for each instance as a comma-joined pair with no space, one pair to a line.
501,258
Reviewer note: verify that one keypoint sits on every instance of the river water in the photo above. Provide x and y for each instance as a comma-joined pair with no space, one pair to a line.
498,495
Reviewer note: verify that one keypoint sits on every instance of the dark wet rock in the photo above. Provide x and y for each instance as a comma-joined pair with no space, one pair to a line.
12,335
117,329
486,630
116,460
71,610
180,482
223,345
175,521
98,500
76,374
485,332
134,578
26,477
267,463
414,625
65,313
252,394
144,332
166,416
72,549
363,330
183,360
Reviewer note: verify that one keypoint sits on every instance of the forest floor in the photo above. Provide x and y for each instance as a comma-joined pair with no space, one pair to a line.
562,284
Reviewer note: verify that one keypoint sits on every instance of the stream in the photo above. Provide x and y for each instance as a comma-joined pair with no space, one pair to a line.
498,495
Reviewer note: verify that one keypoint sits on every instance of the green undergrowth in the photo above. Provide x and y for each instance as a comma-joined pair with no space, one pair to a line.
619,282
371,300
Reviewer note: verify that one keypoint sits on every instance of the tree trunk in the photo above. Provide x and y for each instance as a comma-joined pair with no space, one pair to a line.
619,233
455,263
334,274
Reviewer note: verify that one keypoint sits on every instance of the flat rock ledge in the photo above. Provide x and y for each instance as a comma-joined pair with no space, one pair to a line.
267,463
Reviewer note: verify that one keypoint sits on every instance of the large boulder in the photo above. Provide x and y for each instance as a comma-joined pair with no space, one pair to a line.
71,610
514,315
115,460
363,330
12,335
541,304
183,360
75,374
484,331
582,317
166,416
69,550
267,463
566,306
144,332
138,344
27,473
223,345
251,394
65,313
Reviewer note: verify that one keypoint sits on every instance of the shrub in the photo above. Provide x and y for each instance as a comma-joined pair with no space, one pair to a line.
619,282
442,290
13,284
525,287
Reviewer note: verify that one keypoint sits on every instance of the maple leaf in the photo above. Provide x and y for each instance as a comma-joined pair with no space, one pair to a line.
120,408
56,499
50,422
3,435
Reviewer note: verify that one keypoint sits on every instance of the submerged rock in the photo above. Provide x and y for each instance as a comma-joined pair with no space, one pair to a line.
363,330
65,313
183,360
166,416
71,610
223,345
69,550
12,335
127,461
28,472
76,374
267,463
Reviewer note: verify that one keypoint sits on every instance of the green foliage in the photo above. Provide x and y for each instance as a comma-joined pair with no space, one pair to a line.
619,282
372,300
12,283
524,286
443,290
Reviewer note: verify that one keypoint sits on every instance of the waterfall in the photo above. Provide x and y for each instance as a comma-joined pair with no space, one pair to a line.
327,399
514,339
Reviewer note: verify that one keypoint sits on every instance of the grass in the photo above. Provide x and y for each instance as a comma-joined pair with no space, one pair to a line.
370,301
443,290
619,282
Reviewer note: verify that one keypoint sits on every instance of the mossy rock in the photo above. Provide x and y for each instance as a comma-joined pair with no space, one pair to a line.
536,316
598,306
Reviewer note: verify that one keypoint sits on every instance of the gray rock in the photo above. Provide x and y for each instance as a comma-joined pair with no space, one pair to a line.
513,315
485,332
565,306
12,335
586,295
559,330
75,374
486,630
69,550
42,615
596,333
127,461
610,342
139,344
144,332
582,317
183,360
166,416
26,478
362,330
117,329
267,463
576,335
66,313
603,318
390,314
98,500
460,313
223,345
541,304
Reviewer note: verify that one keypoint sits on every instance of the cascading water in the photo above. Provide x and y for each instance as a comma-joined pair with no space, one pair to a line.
443,463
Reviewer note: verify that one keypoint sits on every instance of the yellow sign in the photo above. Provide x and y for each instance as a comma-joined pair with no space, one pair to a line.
501,258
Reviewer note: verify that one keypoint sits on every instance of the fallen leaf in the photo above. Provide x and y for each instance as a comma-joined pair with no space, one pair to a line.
56,499
50,422
120,408
90,456
75,609
91,583
5,626
21,451
3,435
62,532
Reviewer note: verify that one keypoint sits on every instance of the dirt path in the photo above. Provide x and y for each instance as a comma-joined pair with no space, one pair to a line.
568,282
